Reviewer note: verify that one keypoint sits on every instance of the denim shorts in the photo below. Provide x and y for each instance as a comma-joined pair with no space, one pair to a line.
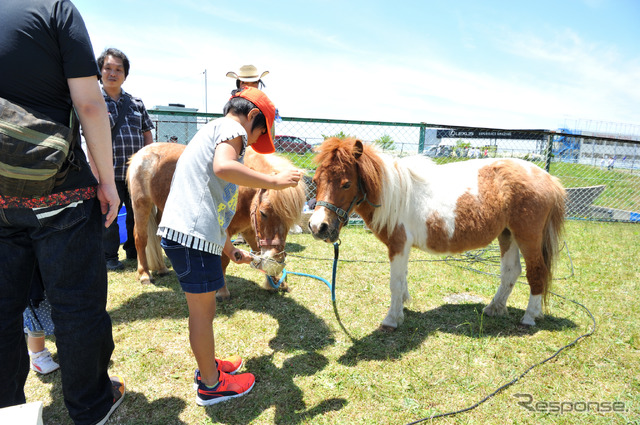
198,271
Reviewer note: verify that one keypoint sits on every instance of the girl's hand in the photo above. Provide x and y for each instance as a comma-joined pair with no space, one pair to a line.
288,178
240,256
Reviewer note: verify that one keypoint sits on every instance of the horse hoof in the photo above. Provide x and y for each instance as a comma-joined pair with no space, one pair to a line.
162,272
527,322
493,310
524,327
387,328
226,297
273,286
285,288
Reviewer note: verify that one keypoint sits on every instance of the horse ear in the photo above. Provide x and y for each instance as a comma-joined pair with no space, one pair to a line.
357,149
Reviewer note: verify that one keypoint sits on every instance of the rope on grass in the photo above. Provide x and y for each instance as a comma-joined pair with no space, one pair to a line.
489,254
476,256
516,379
332,285
471,257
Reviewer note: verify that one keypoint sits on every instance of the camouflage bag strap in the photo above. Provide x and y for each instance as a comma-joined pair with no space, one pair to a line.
33,150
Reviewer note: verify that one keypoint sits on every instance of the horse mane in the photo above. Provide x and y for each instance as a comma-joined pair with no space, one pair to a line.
384,181
338,153
287,203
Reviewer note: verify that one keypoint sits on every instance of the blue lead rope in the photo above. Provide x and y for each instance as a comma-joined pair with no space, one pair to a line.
332,285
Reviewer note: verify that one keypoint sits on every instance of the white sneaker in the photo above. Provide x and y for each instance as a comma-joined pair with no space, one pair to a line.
42,362
295,230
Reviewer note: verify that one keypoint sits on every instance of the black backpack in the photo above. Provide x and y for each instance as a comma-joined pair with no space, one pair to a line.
35,151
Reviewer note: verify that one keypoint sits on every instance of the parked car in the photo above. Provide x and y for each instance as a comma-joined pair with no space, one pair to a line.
291,144
438,151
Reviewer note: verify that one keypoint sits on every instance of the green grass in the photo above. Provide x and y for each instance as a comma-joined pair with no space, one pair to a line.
313,367
304,161
622,186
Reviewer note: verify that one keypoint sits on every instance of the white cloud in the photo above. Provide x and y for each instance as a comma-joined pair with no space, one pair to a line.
527,80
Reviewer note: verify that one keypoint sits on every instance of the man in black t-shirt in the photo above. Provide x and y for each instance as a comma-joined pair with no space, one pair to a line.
47,64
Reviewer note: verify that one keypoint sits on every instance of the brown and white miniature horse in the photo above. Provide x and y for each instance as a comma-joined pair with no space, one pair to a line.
412,202
263,217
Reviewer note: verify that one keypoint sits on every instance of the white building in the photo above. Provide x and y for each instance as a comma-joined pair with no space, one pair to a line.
174,121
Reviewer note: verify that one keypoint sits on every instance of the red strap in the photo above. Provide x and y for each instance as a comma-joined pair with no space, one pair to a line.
60,198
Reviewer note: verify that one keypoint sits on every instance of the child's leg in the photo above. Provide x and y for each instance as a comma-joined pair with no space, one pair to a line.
40,357
200,274
202,309
35,341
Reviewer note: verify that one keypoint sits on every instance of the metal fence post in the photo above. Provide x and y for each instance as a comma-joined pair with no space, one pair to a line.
548,153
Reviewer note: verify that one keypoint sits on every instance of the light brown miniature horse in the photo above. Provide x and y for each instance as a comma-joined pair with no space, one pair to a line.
412,202
263,217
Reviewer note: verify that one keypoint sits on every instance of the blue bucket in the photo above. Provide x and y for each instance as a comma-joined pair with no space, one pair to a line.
122,224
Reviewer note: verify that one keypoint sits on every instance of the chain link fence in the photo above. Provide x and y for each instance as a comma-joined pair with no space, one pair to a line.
601,172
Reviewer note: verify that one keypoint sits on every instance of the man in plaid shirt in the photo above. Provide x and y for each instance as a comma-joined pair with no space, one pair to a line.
133,134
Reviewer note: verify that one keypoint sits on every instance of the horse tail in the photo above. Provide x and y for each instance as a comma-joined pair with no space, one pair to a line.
552,233
153,248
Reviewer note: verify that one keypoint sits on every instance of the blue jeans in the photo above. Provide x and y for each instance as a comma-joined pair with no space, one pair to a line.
111,234
198,271
68,250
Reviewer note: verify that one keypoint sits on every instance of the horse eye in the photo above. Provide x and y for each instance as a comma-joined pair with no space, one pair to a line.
346,185
262,213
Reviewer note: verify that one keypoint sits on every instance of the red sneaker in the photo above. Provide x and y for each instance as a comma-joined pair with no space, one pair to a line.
228,365
230,386
118,389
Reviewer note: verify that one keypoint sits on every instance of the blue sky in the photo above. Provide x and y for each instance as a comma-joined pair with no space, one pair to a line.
504,64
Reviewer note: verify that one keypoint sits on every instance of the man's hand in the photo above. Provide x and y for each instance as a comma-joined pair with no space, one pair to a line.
109,201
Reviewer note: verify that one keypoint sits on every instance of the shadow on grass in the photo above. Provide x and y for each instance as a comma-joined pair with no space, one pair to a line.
295,247
275,387
458,319
166,304
297,330
135,409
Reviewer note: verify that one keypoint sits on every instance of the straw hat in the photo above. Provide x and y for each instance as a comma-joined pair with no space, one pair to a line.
247,73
